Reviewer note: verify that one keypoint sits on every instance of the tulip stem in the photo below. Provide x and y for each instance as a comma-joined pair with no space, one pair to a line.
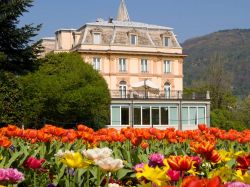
87,178
68,179
107,182
180,179
98,174
34,178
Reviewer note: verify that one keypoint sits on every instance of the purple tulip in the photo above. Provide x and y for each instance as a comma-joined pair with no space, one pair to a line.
139,167
237,184
11,175
156,159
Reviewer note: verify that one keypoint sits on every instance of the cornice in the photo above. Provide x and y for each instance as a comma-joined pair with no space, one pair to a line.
133,53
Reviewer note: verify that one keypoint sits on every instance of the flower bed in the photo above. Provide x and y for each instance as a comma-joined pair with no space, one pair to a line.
54,156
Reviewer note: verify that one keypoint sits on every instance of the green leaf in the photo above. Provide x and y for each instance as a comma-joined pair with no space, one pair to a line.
231,163
123,172
13,158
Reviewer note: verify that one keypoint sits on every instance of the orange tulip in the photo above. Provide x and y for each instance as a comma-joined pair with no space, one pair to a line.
5,142
160,136
202,127
31,133
180,163
202,147
136,141
144,145
213,156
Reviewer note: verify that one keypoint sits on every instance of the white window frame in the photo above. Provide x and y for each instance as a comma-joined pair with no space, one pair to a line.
196,115
120,108
123,90
135,39
97,40
166,38
96,63
167,91
144,66
167,66
122,65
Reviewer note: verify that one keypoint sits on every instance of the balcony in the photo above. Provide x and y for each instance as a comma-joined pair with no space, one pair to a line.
161,95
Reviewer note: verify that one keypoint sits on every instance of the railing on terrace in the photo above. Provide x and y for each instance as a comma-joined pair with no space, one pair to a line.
174,94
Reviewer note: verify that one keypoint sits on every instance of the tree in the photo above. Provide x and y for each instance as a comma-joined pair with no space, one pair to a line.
227,119
17,54
11,110
223,103
65,89
219,83
243,112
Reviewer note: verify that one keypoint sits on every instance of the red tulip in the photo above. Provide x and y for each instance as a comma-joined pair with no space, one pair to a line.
243,162
34,163
174,175
192,181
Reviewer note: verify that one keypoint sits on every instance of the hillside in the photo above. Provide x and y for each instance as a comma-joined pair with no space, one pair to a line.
234,45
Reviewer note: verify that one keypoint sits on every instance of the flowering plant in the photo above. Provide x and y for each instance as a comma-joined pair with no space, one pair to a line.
10,175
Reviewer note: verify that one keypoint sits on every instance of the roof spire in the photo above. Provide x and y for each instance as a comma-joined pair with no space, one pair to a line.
123,12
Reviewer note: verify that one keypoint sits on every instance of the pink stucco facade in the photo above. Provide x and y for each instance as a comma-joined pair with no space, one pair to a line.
128,54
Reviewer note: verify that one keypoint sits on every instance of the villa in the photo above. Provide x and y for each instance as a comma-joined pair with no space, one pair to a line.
143,66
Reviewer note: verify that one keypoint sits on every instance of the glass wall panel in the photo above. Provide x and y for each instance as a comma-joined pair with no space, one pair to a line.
125,115
184,115
155,115
164,116
173,116
201,115
137,116
145,115
116,116
193,115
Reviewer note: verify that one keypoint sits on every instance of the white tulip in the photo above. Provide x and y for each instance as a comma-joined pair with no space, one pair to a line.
97,153
110,164
60,153
113,185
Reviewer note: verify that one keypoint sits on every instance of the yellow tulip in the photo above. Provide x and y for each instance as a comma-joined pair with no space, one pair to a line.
229,155
225,155
226,174
243,178
155,175
75,160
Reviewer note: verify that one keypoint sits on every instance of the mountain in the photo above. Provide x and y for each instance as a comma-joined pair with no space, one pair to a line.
233,45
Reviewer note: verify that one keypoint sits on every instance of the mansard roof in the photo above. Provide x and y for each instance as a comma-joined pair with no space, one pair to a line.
132,24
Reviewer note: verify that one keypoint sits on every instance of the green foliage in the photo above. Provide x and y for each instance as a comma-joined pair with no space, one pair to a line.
226,113
65,89
17,55
226,119
243,112
234,45
11,110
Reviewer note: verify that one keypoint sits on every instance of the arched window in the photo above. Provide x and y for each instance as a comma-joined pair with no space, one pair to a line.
123,89
167,90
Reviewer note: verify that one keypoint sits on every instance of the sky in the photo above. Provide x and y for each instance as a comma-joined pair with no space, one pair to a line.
188,18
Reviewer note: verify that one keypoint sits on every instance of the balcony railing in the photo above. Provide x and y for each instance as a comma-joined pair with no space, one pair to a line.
141,94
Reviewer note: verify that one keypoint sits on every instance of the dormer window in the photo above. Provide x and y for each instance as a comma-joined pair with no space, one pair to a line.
96,38
133,39
166,41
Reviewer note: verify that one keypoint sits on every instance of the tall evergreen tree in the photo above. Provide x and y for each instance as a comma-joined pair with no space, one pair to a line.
17,54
